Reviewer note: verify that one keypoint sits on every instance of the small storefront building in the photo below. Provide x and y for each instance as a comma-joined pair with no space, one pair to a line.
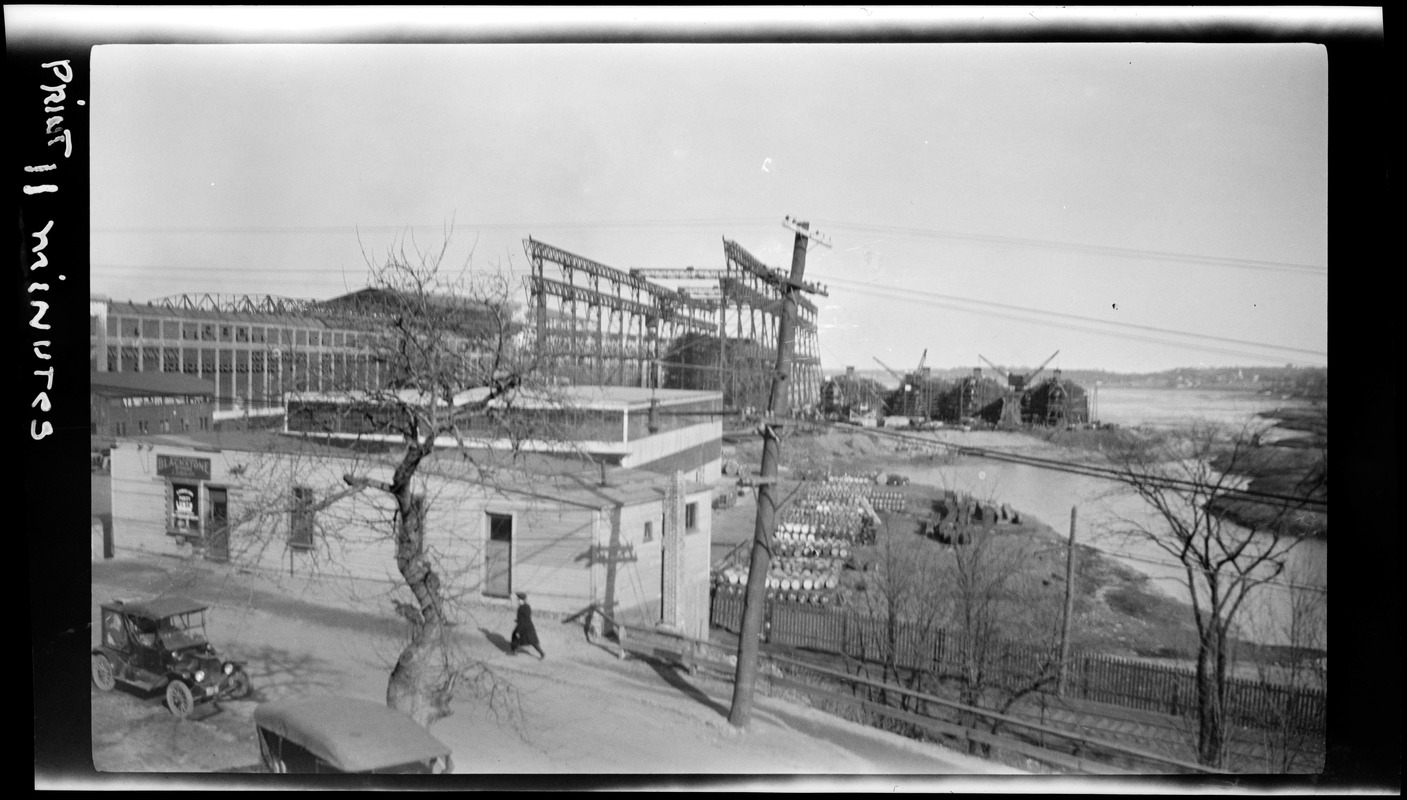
568,530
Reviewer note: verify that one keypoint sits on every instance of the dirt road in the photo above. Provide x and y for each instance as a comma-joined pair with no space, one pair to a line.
583,711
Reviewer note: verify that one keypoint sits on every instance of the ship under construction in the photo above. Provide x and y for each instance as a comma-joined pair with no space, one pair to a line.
1009,400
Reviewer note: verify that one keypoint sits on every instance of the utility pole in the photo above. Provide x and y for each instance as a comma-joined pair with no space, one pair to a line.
755,598
1069,606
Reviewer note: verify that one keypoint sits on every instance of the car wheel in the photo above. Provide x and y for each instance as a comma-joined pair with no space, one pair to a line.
179,699
239,685
104,677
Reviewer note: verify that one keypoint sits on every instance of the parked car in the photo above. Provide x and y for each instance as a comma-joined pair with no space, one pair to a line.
160,644
330,734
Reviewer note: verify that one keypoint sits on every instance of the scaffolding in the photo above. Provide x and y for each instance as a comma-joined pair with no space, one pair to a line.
594,323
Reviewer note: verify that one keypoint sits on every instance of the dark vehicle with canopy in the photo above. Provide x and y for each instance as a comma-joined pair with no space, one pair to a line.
328,735
160,644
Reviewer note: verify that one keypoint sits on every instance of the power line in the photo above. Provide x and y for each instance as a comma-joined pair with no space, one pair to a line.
909,296
1087,470
910,291
1094,249
1061,467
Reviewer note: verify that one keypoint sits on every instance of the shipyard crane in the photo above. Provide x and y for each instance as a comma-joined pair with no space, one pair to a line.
892,371
999,370
1019,382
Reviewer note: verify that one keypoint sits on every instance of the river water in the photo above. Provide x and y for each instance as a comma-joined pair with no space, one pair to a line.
1105,512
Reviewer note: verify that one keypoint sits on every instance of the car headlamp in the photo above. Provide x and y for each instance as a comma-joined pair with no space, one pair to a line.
229,668
199,675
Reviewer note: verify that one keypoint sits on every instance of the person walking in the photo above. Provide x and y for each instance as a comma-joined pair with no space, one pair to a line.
524,634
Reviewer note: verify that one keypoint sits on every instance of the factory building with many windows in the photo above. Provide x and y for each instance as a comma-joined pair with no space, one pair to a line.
253,349
251,356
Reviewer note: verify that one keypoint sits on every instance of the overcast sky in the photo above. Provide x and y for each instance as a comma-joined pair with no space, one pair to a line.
1135,207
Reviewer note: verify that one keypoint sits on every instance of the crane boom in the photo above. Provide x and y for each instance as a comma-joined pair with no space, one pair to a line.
891,371
1033,375
999,370
922,359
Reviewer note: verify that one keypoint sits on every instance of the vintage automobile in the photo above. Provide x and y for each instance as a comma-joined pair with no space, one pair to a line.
160,644
330,734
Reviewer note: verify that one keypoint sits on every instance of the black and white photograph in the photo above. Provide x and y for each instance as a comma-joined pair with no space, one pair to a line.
766,398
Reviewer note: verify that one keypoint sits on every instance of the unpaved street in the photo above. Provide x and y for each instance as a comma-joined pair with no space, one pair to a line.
583,711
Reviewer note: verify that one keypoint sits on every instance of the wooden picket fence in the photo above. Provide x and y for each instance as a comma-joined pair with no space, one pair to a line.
1089,676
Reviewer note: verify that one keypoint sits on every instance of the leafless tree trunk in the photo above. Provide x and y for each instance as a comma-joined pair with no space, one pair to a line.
1221,562
997,609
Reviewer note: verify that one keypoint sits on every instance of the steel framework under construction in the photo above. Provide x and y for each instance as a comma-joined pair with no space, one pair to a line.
594,323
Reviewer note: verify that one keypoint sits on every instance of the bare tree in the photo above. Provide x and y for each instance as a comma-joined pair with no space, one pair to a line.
446,347
978,602
1006,624
900,606
1222,562
1289,725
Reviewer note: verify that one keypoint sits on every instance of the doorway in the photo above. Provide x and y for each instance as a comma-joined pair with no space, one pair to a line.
498,556
217,538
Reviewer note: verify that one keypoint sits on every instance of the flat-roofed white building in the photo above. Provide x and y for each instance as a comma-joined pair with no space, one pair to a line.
568,530
659,430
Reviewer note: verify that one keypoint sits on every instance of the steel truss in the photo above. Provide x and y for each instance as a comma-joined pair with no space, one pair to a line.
599,324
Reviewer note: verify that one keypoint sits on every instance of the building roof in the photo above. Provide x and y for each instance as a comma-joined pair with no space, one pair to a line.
596,398
567,478
262,441
148,384
575,480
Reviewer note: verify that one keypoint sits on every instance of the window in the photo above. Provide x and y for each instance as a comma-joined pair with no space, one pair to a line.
691,517
649,531
300,526
141,426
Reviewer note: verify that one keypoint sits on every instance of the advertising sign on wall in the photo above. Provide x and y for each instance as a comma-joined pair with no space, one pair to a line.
183,467
185,508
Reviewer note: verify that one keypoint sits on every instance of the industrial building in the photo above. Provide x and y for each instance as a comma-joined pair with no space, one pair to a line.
252,349
135,404
599,325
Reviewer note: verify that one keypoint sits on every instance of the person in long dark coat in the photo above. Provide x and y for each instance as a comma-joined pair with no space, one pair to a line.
524,634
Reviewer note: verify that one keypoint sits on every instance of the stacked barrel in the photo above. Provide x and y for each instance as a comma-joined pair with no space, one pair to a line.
816,534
